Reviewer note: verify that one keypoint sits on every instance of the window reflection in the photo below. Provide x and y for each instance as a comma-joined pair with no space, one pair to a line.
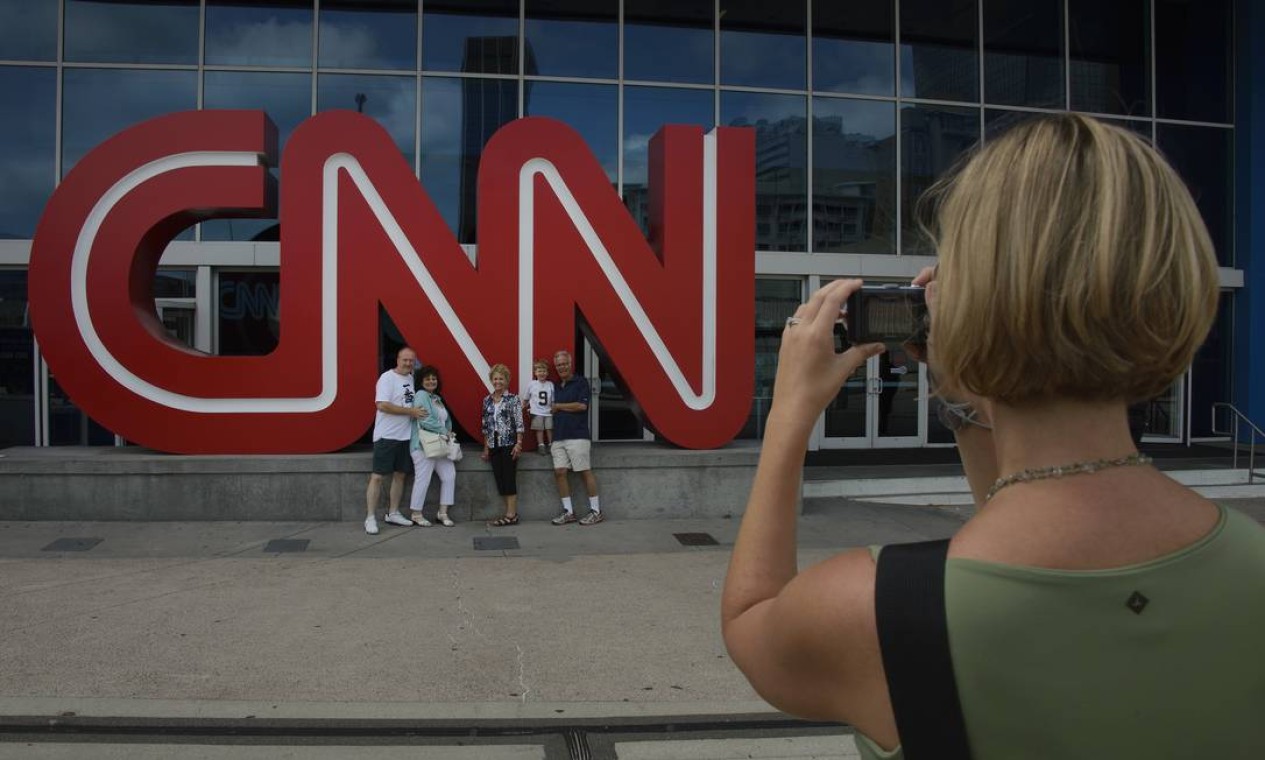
781,159
67,425
390,101
646,110
590,109
29,31
287,99
459,116
854,176
1202,156
573,38
374,35
853,47
669,43
475,36
1023,52
275,33
17,383
247,322
132,32
28,126
932,138
938,40
775,300
100,103
1109,52
764,44
1210,378
1196,45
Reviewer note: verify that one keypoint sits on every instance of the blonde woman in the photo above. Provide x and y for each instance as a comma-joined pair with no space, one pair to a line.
503,440
1093,606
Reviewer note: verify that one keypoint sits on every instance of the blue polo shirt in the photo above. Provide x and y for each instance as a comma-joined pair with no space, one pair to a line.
571,425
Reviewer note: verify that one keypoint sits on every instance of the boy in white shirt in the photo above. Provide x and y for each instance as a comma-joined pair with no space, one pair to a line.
539,398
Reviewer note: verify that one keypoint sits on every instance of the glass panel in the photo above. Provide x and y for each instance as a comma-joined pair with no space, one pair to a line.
287,98
29,31
573,38
1023,52
1212,372
178,321
28,126
274,33
932,138
381,34
1193,72
17,364
775,300
997,121
175,283
646,110
590,109
669,42
764,44
781,155
1202,156
853,47
936,431
67,426
845,415
1163,414
391,101
132,32
246,313
898,397
459,116
478,36
1110,56
938,49
100,103
854,176
616,420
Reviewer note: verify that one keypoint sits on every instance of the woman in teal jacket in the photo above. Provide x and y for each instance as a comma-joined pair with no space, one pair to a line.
436,420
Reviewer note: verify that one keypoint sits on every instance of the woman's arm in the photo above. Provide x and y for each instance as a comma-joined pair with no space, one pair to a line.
784,632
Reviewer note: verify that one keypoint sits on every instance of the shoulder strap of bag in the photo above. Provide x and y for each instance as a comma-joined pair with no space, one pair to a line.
914,636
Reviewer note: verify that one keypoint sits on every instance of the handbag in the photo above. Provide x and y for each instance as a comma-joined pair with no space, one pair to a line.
454,449
434,445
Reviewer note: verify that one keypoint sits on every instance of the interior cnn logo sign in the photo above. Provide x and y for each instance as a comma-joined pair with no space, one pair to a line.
674,317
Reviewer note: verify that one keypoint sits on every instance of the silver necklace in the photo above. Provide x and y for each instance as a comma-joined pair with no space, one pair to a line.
1063,470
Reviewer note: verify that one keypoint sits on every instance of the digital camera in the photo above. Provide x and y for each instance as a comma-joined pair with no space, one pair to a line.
886,314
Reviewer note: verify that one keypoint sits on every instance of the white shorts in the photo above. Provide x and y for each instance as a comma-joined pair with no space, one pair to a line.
571,454
541,422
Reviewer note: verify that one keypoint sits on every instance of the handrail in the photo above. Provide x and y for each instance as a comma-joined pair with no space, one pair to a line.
1251,451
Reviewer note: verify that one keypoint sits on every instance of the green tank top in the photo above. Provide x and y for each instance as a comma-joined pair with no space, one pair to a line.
1058,664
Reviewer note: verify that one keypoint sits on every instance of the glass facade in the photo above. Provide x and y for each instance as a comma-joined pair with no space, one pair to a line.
858,107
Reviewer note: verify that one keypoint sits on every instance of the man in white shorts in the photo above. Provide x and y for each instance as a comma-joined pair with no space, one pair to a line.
571,441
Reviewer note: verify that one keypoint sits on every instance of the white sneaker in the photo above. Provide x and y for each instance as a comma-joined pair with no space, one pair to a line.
371,525
395,518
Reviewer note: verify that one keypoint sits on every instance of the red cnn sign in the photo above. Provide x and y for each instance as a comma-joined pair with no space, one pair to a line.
674,317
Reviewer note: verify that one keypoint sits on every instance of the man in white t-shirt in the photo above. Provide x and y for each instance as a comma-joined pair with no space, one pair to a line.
391,432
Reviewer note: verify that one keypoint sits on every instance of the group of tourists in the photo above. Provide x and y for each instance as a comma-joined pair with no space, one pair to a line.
413,433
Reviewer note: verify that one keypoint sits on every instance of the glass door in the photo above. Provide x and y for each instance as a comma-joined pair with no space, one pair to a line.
881,405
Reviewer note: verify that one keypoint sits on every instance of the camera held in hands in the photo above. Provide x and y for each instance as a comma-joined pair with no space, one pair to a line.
894,314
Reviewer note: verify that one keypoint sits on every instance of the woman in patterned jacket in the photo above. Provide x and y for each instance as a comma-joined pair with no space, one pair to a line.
503,440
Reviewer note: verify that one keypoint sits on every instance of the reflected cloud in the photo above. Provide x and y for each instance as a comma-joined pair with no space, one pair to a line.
261,43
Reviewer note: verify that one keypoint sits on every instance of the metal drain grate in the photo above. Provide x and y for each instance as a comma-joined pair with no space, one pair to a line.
282,545
72,544
495,543
696,539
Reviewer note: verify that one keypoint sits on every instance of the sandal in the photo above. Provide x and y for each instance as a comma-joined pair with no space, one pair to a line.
502,522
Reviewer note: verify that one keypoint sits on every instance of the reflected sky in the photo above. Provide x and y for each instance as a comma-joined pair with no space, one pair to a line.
263,34
29,31
585,47
646,110
781,124
591,109
456,36
854,47
391,101
379,35
136,32
674,43
28,121
854,176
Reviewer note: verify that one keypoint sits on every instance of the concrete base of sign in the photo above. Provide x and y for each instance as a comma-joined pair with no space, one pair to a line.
636,481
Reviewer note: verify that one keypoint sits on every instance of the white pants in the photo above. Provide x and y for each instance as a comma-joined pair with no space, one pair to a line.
423,466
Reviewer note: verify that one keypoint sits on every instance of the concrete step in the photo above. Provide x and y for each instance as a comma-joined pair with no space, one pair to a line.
953,490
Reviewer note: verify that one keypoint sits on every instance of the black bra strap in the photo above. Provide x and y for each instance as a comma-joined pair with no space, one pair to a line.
914,635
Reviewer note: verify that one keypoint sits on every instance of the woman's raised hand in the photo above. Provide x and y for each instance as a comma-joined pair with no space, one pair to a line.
809,371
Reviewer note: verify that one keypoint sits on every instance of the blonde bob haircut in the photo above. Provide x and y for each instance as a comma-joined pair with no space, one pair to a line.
1072,264
500,369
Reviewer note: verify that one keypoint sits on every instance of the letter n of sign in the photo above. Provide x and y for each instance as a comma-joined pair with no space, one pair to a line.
674,317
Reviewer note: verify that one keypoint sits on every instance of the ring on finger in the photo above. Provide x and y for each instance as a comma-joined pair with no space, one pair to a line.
792,321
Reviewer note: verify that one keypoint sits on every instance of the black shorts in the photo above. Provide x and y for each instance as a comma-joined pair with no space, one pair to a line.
391,456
